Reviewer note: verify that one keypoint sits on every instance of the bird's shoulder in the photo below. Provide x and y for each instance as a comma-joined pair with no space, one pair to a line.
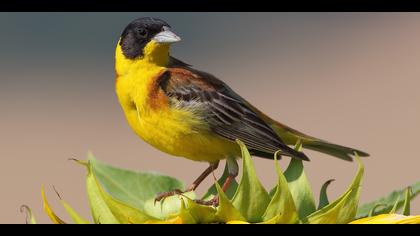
180,75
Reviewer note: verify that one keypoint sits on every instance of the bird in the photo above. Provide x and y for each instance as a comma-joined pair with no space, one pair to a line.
189,113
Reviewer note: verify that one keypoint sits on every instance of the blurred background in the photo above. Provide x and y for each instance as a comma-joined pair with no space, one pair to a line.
351,78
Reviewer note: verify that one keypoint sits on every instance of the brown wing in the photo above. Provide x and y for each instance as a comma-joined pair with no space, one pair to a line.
227,114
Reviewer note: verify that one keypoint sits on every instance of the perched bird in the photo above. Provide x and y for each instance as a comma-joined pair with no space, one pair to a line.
192,114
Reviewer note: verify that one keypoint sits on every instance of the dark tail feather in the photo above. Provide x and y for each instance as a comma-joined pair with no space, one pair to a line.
288,151
344,153
284,151
341,152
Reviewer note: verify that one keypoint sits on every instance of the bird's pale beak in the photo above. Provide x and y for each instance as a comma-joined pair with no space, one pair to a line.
166,36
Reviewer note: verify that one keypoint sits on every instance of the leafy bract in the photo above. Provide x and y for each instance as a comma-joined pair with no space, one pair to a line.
392,217
323,196
328,214
120,211
343,209
251,199
130,187
100,211
122,196
349,210
281,208
385,204
200,213
124,213
406,206
226,211
299,186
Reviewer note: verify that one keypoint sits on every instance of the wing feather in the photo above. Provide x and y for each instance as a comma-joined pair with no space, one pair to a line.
226,113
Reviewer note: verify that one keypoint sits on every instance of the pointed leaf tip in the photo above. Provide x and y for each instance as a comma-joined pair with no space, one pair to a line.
299,186
251,198
281,209
80,162
343,209
406,206
323,196
54,218
226,211
30,218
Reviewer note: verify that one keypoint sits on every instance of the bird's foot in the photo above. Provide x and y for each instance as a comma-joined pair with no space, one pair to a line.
213,202
162,196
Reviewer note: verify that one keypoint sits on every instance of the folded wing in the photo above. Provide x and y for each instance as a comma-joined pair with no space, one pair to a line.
226,114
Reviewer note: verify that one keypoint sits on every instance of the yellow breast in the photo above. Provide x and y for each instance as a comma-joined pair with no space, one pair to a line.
171,130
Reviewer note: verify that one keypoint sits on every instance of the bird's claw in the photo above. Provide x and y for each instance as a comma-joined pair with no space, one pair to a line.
164,195
213,202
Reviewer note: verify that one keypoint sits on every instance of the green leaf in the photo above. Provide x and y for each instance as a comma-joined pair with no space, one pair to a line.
202,214
281,209
113,209
342,210
388,202
323,197
349,210
100,212
406,207
226,211
132,188
230,191
299,186
328,214
124,213
251,199
30,218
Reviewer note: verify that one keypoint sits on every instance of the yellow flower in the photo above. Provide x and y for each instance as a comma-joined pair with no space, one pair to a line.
389,219
118,196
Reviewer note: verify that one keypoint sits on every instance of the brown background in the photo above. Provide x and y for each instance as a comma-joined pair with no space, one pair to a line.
351,78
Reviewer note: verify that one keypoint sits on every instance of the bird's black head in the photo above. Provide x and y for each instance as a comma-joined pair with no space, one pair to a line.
143,30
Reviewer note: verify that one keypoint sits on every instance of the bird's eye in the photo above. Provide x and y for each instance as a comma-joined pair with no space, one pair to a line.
142,32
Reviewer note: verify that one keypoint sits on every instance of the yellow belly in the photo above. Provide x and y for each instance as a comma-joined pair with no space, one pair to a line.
175,132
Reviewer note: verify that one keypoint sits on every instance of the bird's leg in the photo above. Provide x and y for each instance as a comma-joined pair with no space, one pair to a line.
203,176
233,170
194,185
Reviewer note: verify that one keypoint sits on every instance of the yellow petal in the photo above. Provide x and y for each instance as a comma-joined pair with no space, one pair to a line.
388,219
237,222
175,220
